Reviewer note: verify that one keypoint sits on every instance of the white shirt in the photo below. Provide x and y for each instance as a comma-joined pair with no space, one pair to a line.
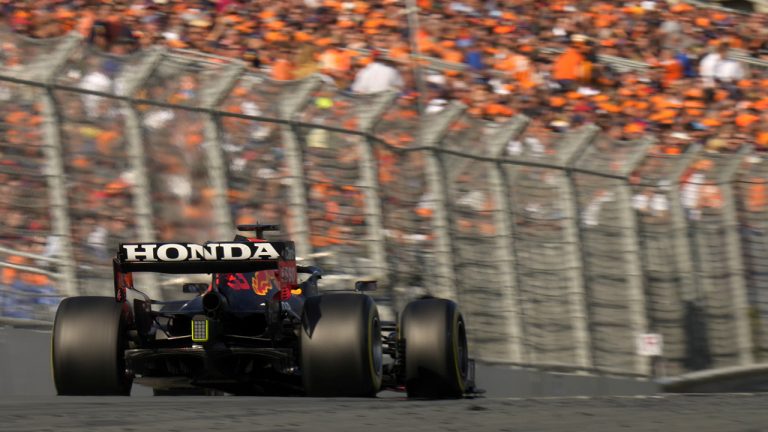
94,81
656,204
689,194
640,202
435,106
98,237
535,145
461,7
708,66
515,147
659,204
474,200
713,66
729,71
53,246
670,26
591,214
377,77
648,5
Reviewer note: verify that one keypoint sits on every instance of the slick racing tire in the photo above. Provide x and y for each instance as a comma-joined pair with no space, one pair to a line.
88,346
436,355
341,354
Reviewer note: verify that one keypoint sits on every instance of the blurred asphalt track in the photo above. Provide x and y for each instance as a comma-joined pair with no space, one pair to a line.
512,403
25,370
673,413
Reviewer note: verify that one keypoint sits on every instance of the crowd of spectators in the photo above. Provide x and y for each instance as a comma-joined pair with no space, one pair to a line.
691,88
25,208
500,58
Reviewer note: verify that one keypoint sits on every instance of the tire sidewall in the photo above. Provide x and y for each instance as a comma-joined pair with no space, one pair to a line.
340,346
435,354
88,345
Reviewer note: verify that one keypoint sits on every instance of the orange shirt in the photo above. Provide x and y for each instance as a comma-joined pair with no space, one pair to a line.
424,42
453,55
762,138
746,119
710,196
282,70
757,195
336,60
568,65
518,66
399,52
673,71
10,274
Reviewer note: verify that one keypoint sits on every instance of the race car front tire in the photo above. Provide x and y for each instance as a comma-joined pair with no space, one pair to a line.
435,349
87,347
341,347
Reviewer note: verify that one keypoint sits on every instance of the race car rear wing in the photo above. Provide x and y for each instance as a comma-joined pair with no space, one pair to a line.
211,257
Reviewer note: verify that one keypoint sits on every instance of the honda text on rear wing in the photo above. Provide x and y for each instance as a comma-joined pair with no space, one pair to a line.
211,257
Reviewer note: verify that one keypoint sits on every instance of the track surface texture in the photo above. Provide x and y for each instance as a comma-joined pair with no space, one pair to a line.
678,413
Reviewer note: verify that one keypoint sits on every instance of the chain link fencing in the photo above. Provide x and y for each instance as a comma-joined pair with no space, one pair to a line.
610,255
667,269
407,206
752,204
548,265
562,246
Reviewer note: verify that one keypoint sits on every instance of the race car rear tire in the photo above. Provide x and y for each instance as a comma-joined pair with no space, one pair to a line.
435,349
87,347
341,353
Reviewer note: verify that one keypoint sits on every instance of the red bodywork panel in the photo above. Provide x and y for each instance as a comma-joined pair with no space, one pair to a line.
289,279
123,282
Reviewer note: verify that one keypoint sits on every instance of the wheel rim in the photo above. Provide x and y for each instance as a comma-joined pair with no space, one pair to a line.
376,349
124,378
463,352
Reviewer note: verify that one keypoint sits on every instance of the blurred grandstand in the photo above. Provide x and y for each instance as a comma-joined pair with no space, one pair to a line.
579,176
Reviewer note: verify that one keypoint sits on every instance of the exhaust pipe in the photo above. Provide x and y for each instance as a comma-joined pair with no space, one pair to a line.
214,304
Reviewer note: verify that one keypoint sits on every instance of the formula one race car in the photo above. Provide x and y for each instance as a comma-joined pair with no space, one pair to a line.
255,329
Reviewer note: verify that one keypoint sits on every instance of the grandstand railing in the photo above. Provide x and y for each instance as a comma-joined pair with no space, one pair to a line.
31,298
562,247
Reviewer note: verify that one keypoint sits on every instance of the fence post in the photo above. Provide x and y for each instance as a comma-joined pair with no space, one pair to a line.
502,218
215,93
292,101
135,151
577,295
57,192
376,240
135,146
735,260
431,134
689,291
636,296
753,218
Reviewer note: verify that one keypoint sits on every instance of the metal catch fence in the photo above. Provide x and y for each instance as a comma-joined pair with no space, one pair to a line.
562,247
